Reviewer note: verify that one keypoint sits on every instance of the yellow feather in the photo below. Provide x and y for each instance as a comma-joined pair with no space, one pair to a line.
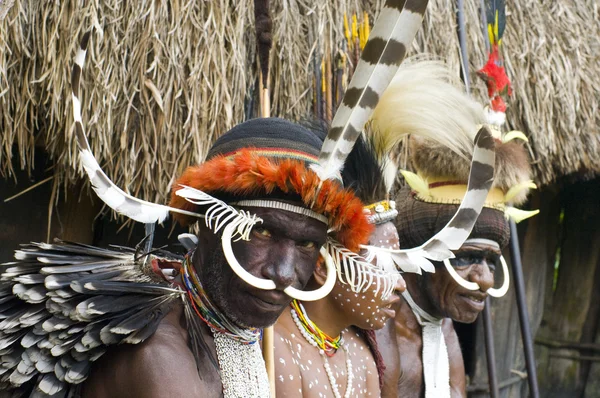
511,135
496,25
518,215
514,191
491,33
323,78
347,31
416,182
367,27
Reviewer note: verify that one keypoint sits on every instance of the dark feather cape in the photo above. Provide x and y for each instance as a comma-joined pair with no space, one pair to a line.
62,305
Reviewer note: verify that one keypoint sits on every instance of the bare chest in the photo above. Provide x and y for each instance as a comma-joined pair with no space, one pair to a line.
410,383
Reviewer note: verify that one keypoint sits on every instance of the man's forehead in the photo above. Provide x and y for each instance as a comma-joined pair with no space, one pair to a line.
481,244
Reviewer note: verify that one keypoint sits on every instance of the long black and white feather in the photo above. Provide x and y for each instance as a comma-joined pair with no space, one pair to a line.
114,197
385,50
458,229
62,305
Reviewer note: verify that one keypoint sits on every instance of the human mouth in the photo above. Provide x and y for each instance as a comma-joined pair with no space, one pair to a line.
387,308
269,302
388,312
476,301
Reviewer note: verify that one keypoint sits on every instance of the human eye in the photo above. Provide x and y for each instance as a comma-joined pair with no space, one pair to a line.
261,232
493,262
465,260
307,244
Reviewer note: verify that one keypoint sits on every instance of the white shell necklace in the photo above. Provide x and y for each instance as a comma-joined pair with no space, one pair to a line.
328,371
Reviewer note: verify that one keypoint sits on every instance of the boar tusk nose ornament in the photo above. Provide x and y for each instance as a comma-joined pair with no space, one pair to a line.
501,291
266,284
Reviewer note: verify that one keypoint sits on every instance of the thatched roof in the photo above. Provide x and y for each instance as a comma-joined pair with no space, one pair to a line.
163,80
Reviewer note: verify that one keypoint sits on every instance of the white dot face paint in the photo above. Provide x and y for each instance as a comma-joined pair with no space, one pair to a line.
367,309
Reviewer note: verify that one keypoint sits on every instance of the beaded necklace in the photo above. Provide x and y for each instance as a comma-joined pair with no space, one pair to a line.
328,346
206,310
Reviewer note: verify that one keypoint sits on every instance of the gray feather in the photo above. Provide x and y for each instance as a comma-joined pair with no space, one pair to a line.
84,267
17,378
45,364
50,384
57,322
30,339
140,321
78,372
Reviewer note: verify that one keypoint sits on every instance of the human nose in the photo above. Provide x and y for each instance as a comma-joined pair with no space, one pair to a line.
482,275
282,266
400,285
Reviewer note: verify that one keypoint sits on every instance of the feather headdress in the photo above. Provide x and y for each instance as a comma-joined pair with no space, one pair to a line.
422,101
441,176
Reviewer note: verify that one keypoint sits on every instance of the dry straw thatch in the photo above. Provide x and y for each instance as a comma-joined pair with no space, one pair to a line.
164,78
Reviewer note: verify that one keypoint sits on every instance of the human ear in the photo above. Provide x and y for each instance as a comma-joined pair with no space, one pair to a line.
320,272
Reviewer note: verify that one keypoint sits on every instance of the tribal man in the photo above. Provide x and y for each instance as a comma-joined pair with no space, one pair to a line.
430,359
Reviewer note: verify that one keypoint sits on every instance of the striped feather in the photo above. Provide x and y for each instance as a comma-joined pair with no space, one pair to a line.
458,229
114,197
385,50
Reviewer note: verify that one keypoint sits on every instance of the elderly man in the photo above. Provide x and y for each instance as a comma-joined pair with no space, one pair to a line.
430,360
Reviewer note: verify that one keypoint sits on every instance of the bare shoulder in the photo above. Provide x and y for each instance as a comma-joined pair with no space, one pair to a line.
146,369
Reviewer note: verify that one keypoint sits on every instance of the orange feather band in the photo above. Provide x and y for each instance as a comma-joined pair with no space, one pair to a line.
248,174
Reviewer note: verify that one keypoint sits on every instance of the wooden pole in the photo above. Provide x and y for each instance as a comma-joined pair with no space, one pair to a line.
268,342
519,283
488,333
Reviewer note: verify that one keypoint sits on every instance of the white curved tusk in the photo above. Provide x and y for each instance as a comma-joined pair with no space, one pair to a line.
501,291
259,283
321,292
459,279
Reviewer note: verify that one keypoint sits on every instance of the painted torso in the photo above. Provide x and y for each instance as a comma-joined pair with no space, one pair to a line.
300,371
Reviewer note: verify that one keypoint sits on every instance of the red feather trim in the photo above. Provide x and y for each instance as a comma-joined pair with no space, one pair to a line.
496,79
248,174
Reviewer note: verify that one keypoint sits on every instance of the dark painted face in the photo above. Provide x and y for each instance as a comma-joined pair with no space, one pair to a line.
475,262
368,309
284,249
